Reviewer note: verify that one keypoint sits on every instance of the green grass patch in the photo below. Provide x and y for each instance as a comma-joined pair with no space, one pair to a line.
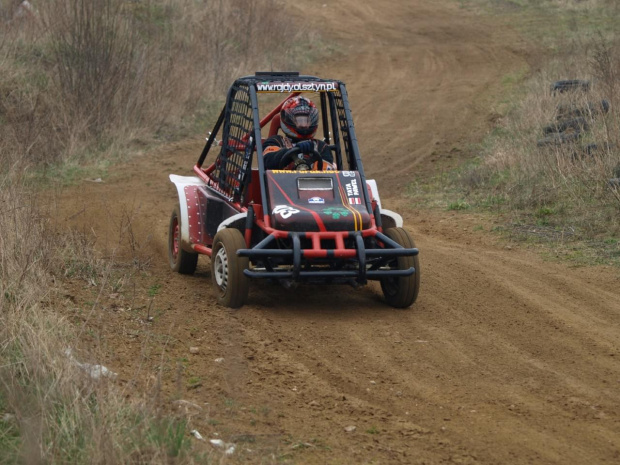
170,435
459,205
549,20
10,438
154,290
69,173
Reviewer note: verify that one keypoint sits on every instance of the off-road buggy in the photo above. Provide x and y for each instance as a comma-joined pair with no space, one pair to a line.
317,225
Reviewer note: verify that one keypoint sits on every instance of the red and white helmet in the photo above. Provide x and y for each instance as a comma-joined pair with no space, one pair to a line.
299,118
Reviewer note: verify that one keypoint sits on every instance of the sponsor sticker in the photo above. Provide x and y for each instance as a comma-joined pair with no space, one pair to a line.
296,86
316,200
336,212
352,188
355,201
348,174
285,211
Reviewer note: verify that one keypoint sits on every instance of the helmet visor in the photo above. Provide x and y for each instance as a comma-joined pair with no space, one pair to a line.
302,121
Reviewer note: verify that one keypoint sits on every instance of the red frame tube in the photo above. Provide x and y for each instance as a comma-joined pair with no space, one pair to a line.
201,249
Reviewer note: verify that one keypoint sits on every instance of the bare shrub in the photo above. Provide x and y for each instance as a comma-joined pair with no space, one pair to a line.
91,74
92,52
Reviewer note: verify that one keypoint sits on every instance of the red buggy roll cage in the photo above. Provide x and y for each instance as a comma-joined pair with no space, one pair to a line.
306,254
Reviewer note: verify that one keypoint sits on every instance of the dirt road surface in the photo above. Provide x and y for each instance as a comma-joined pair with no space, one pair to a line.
504,358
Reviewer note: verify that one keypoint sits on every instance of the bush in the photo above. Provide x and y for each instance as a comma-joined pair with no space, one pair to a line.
87,75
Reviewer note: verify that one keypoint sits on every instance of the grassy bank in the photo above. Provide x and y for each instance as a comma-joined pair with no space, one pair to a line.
53,407
550,166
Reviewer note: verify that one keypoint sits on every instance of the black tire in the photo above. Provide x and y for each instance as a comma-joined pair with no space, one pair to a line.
569,85
401,292
593,150
180,260
591,109
574,124
231,285
558,139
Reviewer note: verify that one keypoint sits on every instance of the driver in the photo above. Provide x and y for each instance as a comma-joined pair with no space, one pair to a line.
299,120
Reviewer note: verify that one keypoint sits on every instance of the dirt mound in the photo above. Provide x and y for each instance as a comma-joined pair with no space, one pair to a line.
505,358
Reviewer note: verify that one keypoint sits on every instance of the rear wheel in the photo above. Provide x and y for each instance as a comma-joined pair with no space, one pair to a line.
231,285
401,292
180,260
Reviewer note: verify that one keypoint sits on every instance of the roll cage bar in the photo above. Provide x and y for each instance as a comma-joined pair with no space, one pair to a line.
230,174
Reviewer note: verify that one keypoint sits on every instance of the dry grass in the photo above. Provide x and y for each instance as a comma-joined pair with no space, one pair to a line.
537,170
88,76
51,409
555,194
551,24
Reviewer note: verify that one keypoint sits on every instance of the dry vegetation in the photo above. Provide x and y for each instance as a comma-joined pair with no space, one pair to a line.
81,80
551,182
84,76
51,409
567,171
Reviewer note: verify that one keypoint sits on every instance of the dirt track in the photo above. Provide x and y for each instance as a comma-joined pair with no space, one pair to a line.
504,358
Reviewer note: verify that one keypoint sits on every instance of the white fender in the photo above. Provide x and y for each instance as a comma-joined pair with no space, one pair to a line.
389,219
228,221
372,184
181,182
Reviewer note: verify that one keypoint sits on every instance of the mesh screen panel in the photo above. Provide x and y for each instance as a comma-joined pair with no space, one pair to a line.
235,160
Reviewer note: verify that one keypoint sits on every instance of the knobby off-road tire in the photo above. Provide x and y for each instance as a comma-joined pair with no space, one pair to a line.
401,292
231,285
180,260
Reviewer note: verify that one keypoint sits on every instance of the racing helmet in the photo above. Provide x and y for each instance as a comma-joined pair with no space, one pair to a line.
299,118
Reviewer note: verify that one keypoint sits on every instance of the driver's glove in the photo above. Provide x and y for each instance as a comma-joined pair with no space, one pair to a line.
306,146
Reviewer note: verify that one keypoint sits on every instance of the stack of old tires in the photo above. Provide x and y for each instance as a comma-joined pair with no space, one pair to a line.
572,122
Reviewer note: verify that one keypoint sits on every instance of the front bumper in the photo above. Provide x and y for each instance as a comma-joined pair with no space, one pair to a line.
359,263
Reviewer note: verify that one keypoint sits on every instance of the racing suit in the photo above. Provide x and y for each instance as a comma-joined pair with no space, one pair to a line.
276,146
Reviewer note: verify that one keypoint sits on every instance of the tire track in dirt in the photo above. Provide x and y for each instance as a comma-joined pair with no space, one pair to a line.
505,358
425,72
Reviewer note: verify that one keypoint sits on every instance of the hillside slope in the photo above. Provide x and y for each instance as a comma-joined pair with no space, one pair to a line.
504,358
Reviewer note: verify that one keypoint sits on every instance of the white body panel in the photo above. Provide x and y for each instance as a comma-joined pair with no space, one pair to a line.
228,221
181,182
389,219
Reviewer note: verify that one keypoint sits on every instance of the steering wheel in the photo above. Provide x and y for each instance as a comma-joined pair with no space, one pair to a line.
291,157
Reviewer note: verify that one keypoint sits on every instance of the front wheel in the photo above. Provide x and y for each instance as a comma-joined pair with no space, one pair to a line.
401,292
231,285
180,260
